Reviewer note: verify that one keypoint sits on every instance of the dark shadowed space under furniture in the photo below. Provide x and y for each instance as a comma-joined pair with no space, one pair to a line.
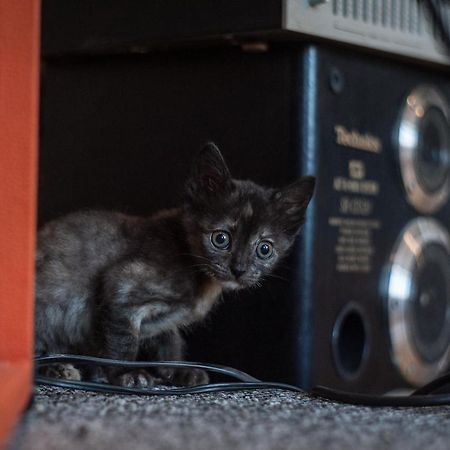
257,420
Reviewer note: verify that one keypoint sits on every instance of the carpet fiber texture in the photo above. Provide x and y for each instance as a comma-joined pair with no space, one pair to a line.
257,420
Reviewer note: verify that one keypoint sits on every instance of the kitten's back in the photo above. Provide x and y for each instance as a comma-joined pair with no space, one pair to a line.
88,239
71,254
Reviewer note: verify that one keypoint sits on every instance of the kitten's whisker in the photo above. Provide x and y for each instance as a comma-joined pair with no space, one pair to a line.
286,267
266,288
194,256
272,275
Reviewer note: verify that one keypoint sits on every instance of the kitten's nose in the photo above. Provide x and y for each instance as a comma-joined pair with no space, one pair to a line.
237,271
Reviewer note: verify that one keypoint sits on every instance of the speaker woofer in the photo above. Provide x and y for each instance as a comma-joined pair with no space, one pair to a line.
419,301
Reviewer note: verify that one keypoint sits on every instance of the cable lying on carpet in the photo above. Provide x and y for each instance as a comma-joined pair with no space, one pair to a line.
422,397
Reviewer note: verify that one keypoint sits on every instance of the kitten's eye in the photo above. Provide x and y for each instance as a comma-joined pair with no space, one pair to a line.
221,239
264,250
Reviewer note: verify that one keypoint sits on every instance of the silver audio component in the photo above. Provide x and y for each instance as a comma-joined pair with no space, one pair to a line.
418,303
424,149
401,27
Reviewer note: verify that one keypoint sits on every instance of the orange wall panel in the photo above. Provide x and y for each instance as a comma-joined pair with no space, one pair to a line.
19,63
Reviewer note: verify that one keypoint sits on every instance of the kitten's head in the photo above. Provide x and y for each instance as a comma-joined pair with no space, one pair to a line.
239,230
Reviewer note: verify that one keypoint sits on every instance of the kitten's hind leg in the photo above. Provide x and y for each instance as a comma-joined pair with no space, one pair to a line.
61,371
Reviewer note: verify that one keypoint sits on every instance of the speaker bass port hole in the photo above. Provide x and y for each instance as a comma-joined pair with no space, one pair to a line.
350,342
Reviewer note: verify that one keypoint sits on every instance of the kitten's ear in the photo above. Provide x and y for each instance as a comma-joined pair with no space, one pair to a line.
209,175
291,202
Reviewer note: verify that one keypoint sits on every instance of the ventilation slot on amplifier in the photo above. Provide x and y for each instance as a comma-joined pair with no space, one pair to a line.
401,15
444,8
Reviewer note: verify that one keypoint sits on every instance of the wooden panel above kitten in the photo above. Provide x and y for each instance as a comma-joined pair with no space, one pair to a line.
118,286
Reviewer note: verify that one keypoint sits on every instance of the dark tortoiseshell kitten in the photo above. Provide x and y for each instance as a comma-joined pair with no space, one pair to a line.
122,287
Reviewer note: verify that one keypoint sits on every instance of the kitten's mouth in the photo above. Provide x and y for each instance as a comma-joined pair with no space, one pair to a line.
229,281
231,285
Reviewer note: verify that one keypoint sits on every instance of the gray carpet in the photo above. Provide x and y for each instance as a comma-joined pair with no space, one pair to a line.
257,420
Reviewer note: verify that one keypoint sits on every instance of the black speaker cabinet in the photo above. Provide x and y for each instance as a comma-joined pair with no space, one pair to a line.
364,303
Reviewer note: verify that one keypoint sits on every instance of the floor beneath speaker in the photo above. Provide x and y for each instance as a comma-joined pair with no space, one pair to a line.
252,420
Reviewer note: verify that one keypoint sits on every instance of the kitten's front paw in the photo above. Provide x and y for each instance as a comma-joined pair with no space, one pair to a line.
184,377
139,378
61,371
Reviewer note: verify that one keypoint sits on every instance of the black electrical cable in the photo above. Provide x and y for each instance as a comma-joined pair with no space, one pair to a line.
92,360
436,385
202,389
420,397
381,400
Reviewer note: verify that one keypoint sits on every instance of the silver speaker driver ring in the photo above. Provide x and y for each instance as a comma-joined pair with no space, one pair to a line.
418,303
424,149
